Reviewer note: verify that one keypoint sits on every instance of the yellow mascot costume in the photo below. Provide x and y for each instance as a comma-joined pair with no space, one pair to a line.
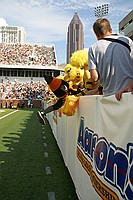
79,59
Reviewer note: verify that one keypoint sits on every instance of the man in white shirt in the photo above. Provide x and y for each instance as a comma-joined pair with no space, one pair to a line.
110,59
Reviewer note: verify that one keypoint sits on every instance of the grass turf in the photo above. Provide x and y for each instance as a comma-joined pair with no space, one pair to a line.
22,161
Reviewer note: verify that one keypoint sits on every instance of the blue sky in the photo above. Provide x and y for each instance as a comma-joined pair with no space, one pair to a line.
46,21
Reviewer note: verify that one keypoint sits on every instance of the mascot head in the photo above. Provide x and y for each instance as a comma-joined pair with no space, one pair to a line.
67,69
58,86
76,74
79,59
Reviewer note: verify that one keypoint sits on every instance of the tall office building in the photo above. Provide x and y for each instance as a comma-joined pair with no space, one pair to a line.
12,35
75,36
126,25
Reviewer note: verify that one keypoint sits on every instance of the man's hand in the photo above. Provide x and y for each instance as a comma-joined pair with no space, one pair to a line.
128,88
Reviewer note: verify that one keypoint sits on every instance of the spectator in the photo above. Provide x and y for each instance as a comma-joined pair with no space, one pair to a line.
110,58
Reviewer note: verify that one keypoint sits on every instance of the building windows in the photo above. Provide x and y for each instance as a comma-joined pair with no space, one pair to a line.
28,73
11,35
126,25
13,72
19,36
21,73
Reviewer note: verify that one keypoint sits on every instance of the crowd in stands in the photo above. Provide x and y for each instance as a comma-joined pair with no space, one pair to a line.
23,90
17,54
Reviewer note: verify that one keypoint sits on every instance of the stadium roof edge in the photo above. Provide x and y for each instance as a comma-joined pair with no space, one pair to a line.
30,67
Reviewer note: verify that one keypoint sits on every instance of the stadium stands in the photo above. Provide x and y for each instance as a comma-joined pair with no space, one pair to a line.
17,54
22,68
19,92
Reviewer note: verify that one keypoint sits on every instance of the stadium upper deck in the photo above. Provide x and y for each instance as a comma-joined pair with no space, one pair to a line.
28,60
17,54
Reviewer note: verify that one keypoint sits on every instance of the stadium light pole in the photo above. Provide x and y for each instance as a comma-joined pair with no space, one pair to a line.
102,10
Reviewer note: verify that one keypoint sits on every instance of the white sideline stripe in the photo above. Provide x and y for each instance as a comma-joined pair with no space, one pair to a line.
8,114
51,196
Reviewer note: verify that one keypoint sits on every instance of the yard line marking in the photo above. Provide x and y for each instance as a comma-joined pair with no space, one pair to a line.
45,144
46,154
8,114
48,170
51,196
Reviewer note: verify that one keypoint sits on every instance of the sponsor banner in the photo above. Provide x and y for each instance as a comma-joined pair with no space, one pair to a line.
105,148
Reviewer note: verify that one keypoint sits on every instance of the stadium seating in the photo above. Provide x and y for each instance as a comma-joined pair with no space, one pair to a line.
17,54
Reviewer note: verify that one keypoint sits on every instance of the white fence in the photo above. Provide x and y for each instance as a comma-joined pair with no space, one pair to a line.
97,146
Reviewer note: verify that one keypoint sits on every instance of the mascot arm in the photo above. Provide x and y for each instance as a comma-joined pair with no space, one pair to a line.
71,86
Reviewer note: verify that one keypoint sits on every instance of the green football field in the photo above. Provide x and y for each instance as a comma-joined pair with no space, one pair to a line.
31,164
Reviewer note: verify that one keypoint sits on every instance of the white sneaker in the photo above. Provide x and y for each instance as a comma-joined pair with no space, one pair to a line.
41,117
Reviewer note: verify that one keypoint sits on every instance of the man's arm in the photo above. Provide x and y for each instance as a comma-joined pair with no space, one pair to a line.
94,74
92,65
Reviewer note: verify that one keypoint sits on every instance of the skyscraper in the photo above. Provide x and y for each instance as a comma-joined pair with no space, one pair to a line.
75,36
